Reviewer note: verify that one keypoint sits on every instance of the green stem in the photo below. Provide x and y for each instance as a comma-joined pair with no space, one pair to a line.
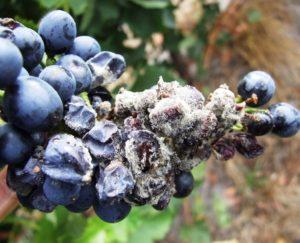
254,110
239,99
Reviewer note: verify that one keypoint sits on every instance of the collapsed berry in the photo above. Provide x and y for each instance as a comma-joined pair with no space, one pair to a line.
286,119
258,84
106,67
68,160
115,181
79,116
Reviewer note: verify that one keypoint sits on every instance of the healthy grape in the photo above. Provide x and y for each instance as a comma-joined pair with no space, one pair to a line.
84,201
286,119
11,63
61,79
31,46
32,105
85,46
35,72
257,83
15,145
112,211
79,69
184,184
58,30
23,72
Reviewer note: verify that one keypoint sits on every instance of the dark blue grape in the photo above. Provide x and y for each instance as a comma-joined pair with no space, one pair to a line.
112,211
79,117
61,80
68,160
61,193
100,92
84,201
25,201
11,63
286,119
35,72
99,140
184,184
114,181
39,138
58,30
79,69
106,67
15,145
7,33
14,181
257,83
33,105
85,46
31,46
39,201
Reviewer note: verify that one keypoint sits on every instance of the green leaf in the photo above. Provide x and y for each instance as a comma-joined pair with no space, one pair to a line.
155,4
49,3
78,6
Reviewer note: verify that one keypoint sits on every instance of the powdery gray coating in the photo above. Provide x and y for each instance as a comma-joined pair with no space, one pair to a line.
67,159
79,117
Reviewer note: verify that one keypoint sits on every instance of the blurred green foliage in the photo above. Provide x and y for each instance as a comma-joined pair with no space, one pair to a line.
104,20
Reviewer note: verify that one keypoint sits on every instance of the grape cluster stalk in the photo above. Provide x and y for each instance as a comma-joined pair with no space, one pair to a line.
67,141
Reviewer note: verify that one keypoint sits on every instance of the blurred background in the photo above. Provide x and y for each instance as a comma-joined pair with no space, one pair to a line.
203,43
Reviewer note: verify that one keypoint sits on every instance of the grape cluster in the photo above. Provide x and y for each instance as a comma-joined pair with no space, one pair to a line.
67,143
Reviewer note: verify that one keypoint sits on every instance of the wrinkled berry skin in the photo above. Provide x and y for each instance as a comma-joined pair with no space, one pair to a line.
286,119
79,69
224,149
184,184
79,116
61,80
58,30
84,201
11,63
106,67
99,140
85,46
15,145
259,123
32,105
114,181
31,46
112,211
68,160
247,145
258,83
61,193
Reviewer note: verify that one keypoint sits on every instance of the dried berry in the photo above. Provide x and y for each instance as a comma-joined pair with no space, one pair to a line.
224,149
247,145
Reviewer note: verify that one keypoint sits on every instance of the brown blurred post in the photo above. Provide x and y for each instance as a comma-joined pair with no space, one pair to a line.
8,199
